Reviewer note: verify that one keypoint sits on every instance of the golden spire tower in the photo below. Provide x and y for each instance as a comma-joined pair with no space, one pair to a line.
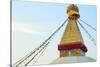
71,42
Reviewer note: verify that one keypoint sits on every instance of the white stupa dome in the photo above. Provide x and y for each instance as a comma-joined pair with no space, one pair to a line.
72,59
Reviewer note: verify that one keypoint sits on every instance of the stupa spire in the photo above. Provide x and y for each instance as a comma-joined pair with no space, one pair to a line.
71,43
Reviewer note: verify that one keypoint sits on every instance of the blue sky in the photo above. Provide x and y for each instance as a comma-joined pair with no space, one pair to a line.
33,22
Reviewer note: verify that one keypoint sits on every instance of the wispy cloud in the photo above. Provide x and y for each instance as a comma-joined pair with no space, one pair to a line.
26,28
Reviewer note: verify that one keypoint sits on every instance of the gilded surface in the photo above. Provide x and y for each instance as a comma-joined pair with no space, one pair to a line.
71,33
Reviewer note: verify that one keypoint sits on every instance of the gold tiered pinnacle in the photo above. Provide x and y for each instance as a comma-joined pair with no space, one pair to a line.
71,43
71,33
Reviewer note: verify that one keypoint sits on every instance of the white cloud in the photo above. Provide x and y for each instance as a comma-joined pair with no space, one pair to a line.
26,28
